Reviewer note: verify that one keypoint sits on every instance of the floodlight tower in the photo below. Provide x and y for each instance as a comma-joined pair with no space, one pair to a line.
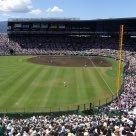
119,68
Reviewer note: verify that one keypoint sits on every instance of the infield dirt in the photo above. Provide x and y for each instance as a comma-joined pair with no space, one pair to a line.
72,61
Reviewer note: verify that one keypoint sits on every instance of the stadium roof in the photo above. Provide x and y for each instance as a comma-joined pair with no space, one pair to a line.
43,19
68,19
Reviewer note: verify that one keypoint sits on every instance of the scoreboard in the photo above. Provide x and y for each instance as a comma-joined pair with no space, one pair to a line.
19,25
47,26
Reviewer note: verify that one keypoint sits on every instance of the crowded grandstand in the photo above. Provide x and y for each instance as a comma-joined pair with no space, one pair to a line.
75,37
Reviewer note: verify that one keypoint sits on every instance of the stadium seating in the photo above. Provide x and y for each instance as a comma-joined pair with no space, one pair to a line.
75,125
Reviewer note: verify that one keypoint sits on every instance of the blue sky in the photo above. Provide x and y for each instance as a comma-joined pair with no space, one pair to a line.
83,9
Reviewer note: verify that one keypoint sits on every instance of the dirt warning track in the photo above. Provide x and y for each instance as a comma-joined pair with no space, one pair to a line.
71,61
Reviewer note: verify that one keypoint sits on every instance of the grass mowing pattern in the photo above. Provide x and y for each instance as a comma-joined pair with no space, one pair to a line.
29,87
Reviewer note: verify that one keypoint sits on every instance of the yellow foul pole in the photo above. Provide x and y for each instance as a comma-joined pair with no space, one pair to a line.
118,81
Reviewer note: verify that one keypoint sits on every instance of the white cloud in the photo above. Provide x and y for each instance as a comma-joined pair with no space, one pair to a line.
55,9
18,6
15,5
36,12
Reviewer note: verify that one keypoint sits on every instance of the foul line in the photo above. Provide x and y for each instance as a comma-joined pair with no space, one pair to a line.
102,77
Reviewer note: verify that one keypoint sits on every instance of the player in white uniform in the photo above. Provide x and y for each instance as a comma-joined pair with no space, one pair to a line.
65,84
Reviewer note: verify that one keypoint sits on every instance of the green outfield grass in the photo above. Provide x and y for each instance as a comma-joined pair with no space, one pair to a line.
27,86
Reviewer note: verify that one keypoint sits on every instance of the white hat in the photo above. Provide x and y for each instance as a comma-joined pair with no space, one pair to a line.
86,134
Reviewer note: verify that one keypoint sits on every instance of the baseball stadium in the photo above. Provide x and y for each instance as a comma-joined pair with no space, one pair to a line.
55,64
50,66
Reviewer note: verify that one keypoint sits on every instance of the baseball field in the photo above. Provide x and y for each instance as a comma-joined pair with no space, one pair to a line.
41,83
